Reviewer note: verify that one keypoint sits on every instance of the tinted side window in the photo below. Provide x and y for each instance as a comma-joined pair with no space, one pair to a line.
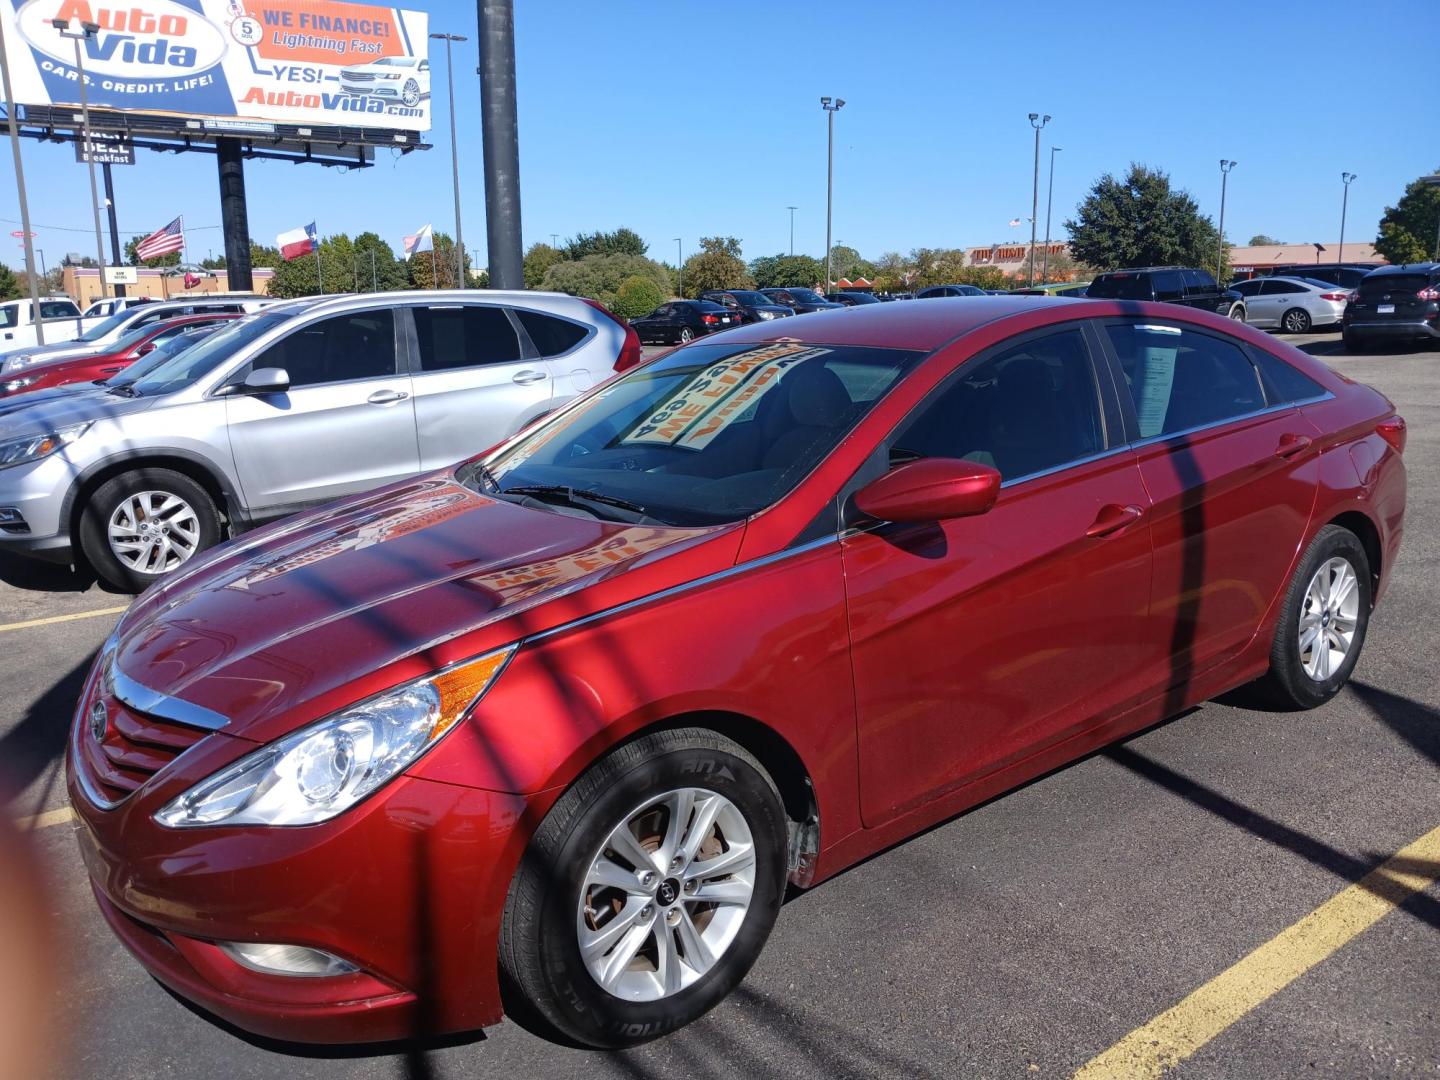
1198,283
1247,288
57,309
357,346
551,336
1030,408
1179,379
1168,285
462,337
1275,287
1284,382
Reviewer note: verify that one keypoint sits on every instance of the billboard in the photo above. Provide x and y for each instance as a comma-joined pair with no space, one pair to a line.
321,62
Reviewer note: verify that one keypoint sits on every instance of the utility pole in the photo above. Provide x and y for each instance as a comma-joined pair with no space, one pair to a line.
792,210
679,267
28,242
454,154
374,281
1049,202
830,111
1037,122
1345,178
500,136
87,30
1225,167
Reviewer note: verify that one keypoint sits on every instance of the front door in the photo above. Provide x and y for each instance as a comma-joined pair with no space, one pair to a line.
346,424
979,641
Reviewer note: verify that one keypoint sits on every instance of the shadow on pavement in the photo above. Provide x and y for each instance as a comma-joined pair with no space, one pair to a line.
38,740
33,575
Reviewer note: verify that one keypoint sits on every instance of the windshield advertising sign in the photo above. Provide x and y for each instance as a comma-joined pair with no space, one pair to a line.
321,62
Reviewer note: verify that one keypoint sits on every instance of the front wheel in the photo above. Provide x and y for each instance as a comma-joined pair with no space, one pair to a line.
686,335
1322,622
1296,321
1237,312
139,526
411,94
646,893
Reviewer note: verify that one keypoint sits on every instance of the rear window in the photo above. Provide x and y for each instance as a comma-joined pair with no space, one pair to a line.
551,336
1394,283
1120,287
1284,382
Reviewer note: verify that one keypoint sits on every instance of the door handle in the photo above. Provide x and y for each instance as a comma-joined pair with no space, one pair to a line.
528,376
386,397
1112,518
1290,445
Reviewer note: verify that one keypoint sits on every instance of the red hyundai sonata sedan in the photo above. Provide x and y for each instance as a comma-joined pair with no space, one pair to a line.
552,730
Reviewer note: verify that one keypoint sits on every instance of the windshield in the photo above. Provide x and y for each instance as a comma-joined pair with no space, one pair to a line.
161,353
99,330
751,297
181,370
807,296
9,316
395,61
1376,284
706,435
1120,287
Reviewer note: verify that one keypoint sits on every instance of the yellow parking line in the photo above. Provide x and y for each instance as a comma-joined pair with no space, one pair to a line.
59,619
45,820
1174,1035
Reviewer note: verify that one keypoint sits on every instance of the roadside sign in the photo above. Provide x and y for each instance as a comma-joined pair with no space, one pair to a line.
105,148
19,234
121,275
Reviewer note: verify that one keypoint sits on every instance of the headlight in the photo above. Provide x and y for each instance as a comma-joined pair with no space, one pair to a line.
766,314
20,383
324,769
14,363
35,447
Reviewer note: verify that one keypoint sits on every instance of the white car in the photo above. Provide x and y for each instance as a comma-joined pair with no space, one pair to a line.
103,309
402,79
1292,304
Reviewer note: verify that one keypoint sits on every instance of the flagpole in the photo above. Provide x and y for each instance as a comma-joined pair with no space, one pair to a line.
184,246
434,274
319,273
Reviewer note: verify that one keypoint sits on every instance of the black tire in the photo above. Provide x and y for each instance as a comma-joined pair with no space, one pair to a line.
686,335
1236,312
1296,321
549,988
95,519
1287,684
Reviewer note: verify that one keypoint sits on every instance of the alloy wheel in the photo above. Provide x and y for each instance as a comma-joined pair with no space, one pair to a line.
666,894
1328,618
153,532
1296,321
411,94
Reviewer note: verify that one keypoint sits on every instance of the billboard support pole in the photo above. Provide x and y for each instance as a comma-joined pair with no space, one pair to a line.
500,137
87,30
234,219
114,228
29,242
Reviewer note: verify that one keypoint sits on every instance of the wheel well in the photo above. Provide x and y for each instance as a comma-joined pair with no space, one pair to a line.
1357,523
186,467
780,760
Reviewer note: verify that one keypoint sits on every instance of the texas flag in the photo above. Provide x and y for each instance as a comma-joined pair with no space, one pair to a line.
297,242
424,240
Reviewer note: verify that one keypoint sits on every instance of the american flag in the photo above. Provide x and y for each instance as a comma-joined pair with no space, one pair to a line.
163,241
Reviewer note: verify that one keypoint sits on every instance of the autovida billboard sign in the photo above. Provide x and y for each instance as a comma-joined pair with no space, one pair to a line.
320,62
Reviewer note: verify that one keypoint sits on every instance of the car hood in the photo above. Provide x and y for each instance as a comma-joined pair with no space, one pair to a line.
45,411
289,624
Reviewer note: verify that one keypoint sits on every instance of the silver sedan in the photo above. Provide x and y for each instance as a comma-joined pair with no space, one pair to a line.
1292,304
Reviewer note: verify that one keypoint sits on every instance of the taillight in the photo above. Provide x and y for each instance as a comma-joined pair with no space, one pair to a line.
1392,430
710,320
630,350
1431,293
1336,296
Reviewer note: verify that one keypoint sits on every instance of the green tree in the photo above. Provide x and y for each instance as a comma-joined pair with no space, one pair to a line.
264,255
9,284
389,273
893,273
438,273
717,265
1261,240
1141,221
620,242
213,262
1408,230
301,277
600,276
637,296
172,259
539,259
787,272
845,262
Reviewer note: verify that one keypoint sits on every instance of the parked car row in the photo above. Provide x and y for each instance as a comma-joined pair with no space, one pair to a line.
572,717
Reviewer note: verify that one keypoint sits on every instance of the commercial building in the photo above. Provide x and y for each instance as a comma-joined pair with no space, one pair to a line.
1011,257
1250,261
82,283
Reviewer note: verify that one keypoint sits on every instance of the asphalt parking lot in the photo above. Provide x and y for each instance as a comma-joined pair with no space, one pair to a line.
1028,937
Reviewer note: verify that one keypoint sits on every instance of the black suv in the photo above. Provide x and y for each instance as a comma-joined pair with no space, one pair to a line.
1169,285
1394,303
750,305
1346,275
801,300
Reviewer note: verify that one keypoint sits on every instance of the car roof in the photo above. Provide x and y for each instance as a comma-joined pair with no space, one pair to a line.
1407,268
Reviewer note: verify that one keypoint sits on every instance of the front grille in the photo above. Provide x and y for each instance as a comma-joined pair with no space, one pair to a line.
358,76
134,748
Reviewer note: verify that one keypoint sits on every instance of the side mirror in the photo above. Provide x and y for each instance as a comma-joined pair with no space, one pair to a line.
931,489
266,380
146,349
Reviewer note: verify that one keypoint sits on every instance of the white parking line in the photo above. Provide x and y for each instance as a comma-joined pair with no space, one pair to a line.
51,619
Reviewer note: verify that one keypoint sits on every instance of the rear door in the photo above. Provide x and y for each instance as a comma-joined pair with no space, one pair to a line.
1232,479
346,424
475,383
1168,286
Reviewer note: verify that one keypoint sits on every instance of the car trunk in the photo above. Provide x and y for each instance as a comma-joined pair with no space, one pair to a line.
1391,296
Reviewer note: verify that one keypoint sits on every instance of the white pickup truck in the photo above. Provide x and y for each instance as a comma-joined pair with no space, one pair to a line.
61,319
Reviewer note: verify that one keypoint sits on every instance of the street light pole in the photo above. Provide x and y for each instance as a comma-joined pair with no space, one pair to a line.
1345,178
831,107
87,30
1225,167
1037,122
454,155
28,241
679,268
1049,202
792,210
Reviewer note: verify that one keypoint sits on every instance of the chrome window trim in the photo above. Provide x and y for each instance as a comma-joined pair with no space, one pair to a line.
141,698
1327,395
1110,452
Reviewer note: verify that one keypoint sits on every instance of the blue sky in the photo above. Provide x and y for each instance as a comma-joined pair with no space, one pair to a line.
689,119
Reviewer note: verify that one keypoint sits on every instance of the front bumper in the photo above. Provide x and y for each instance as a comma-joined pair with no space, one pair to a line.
409,886
36,492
